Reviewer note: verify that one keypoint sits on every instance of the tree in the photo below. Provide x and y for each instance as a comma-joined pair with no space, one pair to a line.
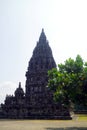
69,82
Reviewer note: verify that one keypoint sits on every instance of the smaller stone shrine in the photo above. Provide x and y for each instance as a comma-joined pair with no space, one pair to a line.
37,101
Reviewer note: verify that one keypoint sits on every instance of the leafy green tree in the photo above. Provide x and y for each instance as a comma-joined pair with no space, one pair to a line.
69,82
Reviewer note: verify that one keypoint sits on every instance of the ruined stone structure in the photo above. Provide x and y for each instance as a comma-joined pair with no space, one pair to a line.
37,102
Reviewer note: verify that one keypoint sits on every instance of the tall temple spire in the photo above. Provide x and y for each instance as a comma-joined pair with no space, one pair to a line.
41,61
42,57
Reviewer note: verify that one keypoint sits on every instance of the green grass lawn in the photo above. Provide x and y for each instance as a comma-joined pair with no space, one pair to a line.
82,117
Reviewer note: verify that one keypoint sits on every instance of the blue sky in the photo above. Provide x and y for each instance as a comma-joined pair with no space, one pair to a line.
21,21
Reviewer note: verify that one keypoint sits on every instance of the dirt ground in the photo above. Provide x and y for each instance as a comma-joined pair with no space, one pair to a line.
42,125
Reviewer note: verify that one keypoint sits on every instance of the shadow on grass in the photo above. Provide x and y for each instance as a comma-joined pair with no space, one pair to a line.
70,128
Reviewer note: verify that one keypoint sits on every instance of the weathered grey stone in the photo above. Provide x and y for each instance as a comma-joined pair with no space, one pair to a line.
37,102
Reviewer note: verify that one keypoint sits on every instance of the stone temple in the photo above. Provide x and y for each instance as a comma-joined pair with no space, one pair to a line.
37,101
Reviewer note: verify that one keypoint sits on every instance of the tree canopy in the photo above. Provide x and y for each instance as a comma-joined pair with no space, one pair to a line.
69,82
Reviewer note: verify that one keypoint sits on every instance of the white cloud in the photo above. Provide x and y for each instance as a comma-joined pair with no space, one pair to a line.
7,88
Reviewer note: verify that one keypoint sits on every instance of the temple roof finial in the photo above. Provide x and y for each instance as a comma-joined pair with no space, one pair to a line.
42,36
19,91
42,29
19,84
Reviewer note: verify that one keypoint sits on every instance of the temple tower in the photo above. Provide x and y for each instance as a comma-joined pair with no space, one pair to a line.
36,76
38,95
